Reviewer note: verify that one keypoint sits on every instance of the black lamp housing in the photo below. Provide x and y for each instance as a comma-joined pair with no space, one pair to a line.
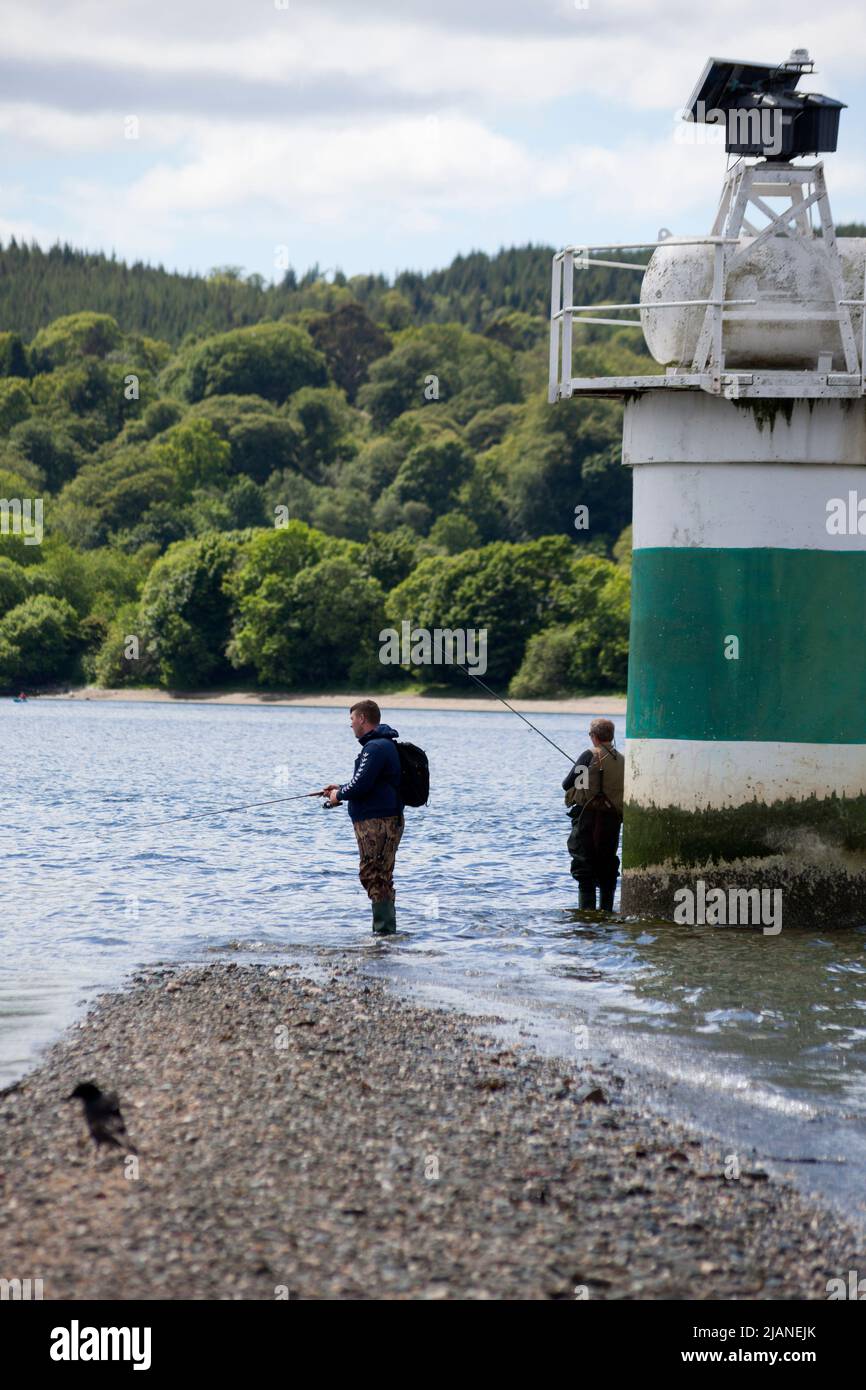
762,112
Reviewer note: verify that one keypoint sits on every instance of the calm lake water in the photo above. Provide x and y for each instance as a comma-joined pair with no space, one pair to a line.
759,1040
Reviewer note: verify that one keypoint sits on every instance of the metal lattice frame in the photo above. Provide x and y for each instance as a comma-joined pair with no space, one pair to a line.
746,186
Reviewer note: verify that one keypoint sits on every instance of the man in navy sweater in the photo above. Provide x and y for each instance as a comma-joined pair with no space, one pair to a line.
376,808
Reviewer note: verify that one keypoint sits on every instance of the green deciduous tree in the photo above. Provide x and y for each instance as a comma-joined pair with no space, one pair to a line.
93,581
324,421
49,448
95,391
622,549
444,364
114,493
489,427
13,584
389,556
186,611
160,415
350,342
433,472
319,625
233,508
560,457
193,454
261,440
15,402
454,532
119,661
588,653
279,553
262,591
269,359
161,524
505,589
75,335
39,642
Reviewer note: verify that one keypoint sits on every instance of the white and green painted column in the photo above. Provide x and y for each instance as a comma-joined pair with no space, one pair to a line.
747,672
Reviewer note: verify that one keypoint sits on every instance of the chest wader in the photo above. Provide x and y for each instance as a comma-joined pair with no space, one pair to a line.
593,845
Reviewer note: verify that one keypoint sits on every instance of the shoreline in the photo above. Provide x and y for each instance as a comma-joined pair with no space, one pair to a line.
305,1133
596,704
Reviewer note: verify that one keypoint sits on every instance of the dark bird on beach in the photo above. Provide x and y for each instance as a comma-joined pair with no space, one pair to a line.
102,1113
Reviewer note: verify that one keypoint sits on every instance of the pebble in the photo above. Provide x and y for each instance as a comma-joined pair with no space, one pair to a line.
336,1142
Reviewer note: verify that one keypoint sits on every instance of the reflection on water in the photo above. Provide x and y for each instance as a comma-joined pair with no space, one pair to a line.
485,899
795,1005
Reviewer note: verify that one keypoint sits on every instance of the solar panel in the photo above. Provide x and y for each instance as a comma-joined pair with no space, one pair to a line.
725,81
762,112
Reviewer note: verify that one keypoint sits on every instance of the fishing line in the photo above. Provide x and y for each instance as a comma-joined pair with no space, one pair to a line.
572,760
278,800
517,712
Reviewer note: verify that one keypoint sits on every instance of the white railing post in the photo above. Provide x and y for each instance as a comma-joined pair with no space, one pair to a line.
567,319
555,327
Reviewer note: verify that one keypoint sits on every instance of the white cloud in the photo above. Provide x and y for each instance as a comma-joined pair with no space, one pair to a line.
23,230
55,131
449,161
409,119
643,55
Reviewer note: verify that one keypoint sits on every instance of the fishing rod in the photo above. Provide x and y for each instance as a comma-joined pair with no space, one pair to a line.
197,815
279,800
220,811
572,760
517,712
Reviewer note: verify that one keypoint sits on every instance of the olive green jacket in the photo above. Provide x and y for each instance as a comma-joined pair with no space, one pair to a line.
607,780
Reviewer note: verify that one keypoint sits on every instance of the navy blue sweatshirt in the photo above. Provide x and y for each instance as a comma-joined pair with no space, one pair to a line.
374,789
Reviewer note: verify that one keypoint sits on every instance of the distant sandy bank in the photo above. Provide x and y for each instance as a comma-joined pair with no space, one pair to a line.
595,704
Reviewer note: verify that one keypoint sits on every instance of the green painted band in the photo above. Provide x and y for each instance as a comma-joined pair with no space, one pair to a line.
799,617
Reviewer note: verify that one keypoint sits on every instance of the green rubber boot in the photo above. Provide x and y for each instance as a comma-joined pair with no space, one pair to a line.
391,916
381,918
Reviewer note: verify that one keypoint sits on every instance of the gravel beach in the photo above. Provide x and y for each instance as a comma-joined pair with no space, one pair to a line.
313,1136
467,701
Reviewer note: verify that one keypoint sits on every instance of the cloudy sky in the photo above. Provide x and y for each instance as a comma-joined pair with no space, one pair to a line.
382,134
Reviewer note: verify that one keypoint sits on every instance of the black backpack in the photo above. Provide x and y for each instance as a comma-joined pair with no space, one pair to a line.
414,775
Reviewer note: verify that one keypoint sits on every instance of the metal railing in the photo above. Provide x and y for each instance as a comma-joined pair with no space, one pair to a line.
563,309
708,365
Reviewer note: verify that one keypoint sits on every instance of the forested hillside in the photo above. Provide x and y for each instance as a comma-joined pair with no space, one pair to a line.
38,286
245,484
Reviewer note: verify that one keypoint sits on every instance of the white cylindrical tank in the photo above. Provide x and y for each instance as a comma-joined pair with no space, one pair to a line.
785,276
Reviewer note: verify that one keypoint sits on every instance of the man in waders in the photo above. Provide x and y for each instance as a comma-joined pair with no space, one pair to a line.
594,794
376,809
